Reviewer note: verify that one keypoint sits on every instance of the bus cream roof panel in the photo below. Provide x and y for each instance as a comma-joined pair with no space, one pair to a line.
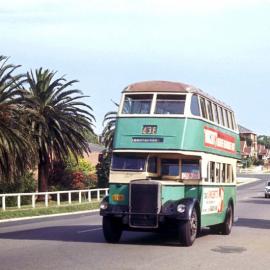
166,86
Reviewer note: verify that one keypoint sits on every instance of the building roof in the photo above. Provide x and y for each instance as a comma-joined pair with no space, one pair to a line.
96,147
166,86
245,130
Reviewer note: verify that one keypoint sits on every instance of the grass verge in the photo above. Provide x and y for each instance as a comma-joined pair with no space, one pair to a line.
8,214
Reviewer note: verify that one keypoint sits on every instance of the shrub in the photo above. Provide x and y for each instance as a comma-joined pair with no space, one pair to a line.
25,184
72,175
103,170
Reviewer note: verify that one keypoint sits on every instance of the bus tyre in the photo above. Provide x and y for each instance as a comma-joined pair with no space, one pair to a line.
112,229
188,229
226,227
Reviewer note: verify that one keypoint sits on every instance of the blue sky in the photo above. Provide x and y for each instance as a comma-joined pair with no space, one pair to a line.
222,47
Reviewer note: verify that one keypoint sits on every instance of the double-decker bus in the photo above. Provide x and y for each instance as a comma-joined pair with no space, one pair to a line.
173,163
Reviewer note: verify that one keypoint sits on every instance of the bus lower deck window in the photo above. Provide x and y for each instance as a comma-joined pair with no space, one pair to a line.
212,171
170,167
128,162
190,169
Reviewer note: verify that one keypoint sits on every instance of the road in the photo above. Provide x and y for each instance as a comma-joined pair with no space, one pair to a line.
76,242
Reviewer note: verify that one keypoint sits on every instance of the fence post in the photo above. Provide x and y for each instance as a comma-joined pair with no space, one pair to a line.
46,200
69,198
89,196
98,195
3,203
19,201
58,199
106,192
80,197
33,201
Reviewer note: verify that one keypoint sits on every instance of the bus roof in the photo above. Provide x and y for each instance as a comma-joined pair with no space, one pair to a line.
166,86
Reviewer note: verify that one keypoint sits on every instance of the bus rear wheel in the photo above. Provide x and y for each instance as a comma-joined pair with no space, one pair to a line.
188,229
112,229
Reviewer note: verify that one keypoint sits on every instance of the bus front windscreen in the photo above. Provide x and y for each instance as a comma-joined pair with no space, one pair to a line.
170,104
124,162
137,104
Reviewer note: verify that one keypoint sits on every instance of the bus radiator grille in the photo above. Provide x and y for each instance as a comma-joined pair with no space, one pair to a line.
144,204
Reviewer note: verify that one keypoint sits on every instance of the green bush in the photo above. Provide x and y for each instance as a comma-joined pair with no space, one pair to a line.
25,184
103,170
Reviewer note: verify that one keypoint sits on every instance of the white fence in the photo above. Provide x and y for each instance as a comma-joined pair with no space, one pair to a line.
89,194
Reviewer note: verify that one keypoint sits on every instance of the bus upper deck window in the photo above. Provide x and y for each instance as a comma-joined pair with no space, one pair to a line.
203,108
220,113
209,110
215,112
194,107
190,169
137,104
170,167
170,104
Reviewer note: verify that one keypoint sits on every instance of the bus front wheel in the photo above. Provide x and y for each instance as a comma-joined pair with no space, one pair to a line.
112,229
188,229
226,227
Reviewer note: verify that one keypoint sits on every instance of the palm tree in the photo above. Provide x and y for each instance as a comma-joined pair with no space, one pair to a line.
109,122
13,136
109,129
61,120
103,167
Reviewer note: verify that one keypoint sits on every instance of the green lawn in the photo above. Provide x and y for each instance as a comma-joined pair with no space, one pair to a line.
12,213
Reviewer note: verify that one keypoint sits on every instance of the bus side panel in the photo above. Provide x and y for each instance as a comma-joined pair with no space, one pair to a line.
172,193
171,134
119,194
193,191
195,126
214,203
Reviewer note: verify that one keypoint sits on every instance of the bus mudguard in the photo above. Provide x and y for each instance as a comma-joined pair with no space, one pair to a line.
185,206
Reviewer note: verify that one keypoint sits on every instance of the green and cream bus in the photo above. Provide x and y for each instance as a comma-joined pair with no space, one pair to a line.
173,163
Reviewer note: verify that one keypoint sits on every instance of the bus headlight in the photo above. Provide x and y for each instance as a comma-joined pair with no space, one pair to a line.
181,208
104,205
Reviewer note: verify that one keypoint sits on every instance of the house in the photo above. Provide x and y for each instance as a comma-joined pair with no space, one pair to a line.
248,139
96,150
263,152
245,150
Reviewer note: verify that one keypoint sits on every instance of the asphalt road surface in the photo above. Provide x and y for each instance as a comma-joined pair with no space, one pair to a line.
76,242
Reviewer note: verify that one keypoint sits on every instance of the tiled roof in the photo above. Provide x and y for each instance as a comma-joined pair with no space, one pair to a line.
245,130
96,147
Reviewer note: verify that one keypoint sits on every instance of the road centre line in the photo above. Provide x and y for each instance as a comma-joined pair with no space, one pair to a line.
90,230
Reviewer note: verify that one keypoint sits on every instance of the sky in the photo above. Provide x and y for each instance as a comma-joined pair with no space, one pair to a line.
221,47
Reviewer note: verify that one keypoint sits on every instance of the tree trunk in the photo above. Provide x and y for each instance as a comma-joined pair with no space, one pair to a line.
43,173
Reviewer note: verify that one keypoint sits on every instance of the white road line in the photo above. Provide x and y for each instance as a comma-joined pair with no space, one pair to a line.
90,230
52,215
